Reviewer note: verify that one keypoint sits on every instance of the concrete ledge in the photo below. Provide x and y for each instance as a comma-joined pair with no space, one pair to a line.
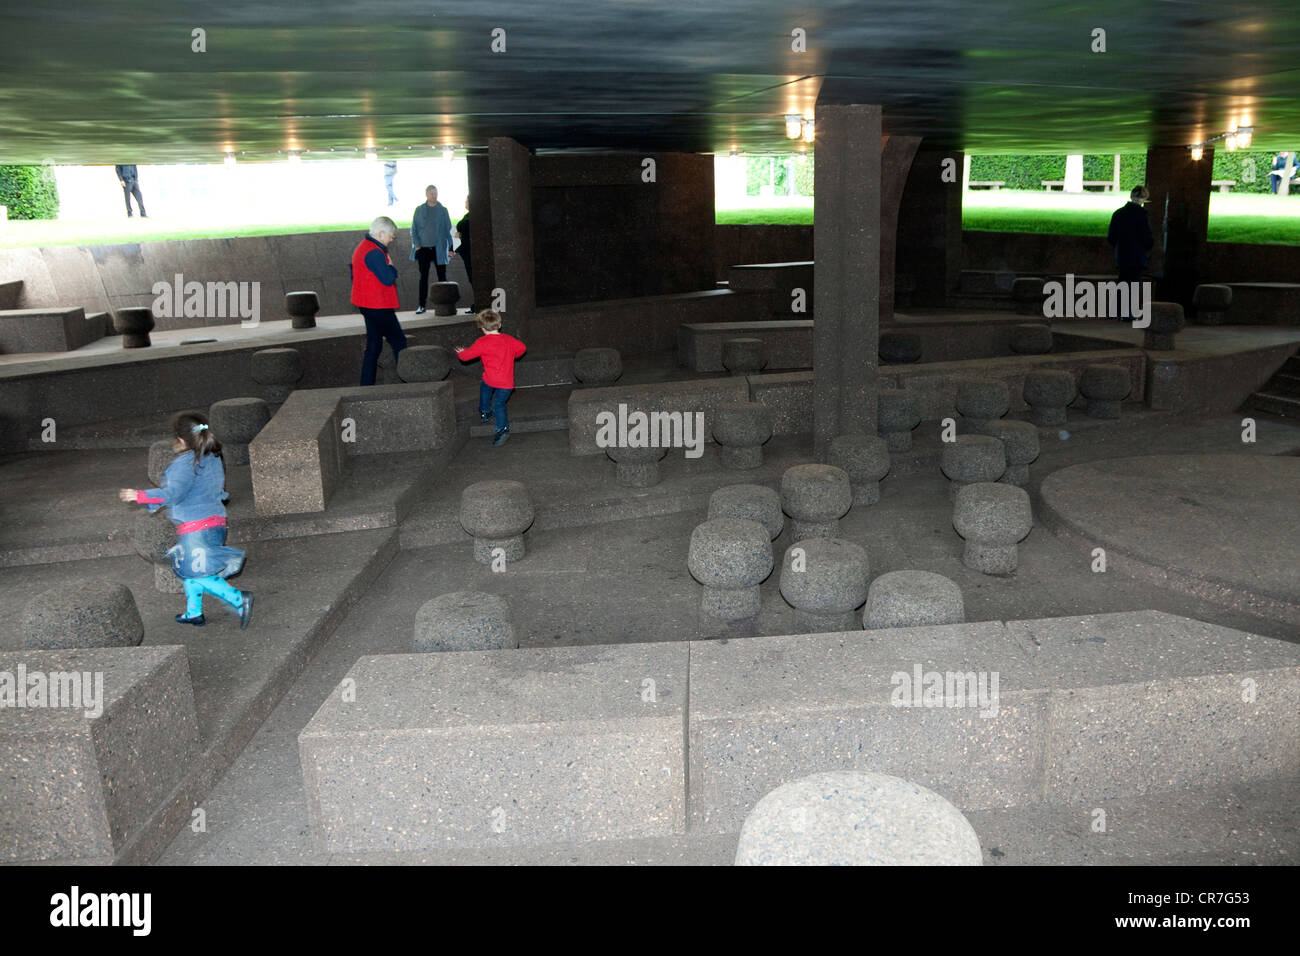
1264,303
78,788
633,326
501,748
687,397
788,343
47,330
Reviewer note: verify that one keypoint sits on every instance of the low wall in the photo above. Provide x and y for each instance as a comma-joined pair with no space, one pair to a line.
739,245
788,344
633,326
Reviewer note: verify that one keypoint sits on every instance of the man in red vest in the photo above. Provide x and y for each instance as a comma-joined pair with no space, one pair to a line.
374,293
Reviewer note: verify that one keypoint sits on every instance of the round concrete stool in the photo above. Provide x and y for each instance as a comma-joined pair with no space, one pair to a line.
1166,321
992,518
1028,293
597,366
94,613
423,363
971,459
865,458
1031,339
636,467
825,581
852,818
751,502
1105,387
743,356
896,416
134,325
1020,439
160,456
1048,393
444,296
899,348
731,557
153,535
278,371
386,366
464,621
981,400
496,513
912,599
741,428
302,308
815,497
1212,303
235,422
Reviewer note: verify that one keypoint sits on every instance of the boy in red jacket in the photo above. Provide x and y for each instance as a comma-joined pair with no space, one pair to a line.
498,352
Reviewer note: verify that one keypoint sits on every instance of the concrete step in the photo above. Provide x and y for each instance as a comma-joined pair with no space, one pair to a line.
11,291
1284,405
47,330
1292,365
522,424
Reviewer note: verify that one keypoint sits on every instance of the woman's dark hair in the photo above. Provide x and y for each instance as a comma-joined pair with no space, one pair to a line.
192,428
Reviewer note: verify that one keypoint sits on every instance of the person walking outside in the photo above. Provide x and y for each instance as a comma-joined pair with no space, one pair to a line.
390,170
374,293
129,179
430,240
1130,234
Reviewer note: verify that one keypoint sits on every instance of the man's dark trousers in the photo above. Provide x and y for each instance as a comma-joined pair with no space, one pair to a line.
1129,277
131,187
380,324
425,256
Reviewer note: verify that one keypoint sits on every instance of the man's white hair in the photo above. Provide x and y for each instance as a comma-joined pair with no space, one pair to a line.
383,224
428,187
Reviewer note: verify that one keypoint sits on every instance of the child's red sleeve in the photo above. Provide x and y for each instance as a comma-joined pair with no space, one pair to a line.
520,348
472,352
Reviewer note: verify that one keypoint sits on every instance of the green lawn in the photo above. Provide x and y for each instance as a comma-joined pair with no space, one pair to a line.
65,232
765,216
1082,222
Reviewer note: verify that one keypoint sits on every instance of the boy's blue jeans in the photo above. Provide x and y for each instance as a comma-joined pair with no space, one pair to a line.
494,399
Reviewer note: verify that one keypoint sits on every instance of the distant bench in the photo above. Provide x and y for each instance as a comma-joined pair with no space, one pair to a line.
1224,184
1105,185
994,184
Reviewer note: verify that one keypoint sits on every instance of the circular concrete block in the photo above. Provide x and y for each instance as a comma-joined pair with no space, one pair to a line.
278,370
423,363
165,580
134,325
1020,439
302,308
816,497
741,428
731,557
235,422
1212,303
913,599
636,467
95,613
444,296
825,581
970,459
751,502
896,416
597,366
992,518
1166,321
1105,387
1031,339
464,621
852,818
1028,293
743,356
496,509
160,456
866,460
153,535
899,348
1048,392
982,399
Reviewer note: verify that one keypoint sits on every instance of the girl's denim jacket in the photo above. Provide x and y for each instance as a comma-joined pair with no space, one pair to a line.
189,493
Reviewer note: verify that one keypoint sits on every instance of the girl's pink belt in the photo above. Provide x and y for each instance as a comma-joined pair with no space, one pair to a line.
186,527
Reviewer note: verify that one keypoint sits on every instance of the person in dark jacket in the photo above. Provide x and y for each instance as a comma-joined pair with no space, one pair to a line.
129,179
1130,234
374,293
463,250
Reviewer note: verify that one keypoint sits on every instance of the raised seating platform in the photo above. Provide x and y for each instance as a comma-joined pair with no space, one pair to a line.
48,330
787,343
1264,303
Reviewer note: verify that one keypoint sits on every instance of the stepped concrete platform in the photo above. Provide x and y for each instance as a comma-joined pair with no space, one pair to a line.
1218,526
48,330
1264,303
787,343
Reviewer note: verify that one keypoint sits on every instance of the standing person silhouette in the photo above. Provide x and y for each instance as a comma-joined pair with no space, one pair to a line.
430,240
390,170
374,293
129,179
1130,234
463,250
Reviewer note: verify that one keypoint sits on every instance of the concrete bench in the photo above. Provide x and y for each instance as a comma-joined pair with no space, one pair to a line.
992,184
1224,185
299,457
76,787
788,343
499,748
685,398
1264,303
47,330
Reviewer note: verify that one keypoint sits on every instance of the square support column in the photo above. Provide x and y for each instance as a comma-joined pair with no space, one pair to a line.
511,183
895,163
1180,219
846,283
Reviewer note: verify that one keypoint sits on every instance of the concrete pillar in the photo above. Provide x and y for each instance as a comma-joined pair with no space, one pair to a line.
846,237
929,226
480,231
895,163
1180,216
1074,174
511,184
1284,186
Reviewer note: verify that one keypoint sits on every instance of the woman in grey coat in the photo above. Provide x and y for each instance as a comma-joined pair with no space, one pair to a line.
430,240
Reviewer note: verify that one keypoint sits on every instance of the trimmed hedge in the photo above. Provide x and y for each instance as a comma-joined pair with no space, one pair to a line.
29,192
1249,167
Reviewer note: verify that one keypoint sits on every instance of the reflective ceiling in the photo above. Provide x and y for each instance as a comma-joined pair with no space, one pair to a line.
103,82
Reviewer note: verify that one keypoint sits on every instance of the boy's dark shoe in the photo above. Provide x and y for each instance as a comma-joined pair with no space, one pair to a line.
196,621
501,437
245,610
483,417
